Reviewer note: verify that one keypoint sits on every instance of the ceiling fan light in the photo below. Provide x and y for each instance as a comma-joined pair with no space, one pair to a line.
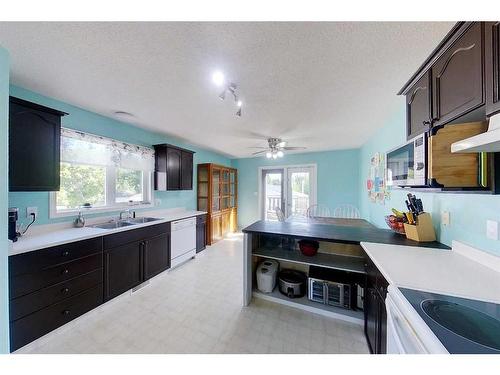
275,155
280,154
269,155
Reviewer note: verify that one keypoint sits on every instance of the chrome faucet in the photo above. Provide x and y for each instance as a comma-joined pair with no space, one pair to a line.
125,212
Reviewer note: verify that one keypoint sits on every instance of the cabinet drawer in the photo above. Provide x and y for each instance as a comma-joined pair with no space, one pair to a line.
38,260
30,303
135,235
24,284
31,327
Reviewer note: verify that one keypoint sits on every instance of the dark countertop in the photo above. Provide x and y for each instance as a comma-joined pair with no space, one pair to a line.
336,233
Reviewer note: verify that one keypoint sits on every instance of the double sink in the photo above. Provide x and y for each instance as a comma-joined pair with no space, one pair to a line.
114,224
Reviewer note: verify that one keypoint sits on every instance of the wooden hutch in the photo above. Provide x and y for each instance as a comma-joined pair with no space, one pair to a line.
218,196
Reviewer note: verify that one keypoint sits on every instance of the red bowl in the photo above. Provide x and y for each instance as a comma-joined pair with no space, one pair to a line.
308,247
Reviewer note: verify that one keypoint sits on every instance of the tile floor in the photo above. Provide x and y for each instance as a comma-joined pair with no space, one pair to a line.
196,308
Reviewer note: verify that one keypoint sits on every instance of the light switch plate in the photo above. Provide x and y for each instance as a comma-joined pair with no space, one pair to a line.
445,218
30,210
492,229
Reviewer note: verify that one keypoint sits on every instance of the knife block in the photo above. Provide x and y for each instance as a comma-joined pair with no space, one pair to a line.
423,231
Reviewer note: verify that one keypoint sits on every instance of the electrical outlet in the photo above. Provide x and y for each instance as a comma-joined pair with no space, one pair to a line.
445,218
492,229
31,210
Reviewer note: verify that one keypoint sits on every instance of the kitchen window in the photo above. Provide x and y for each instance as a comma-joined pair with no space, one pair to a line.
101,172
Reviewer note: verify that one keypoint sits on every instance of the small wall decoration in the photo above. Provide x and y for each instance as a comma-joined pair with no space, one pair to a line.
375,183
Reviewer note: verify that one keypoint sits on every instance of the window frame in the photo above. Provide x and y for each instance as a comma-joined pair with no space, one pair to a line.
110,194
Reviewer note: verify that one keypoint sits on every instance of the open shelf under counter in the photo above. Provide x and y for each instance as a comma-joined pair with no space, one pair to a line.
333,261
303,303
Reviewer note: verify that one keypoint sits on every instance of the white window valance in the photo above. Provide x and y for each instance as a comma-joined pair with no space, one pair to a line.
86,148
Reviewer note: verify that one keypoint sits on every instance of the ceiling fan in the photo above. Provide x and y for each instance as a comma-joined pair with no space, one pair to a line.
275,148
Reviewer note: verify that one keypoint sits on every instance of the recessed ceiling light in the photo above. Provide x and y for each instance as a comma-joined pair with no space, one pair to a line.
218,78
239,103
125,116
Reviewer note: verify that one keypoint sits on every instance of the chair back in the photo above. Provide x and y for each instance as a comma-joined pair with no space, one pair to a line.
346,211
279,214
318,210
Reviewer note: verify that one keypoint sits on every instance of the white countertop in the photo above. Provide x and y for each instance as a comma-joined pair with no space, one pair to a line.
462,271
60,236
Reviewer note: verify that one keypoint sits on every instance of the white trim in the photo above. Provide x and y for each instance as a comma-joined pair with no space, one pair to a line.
314,181
53,213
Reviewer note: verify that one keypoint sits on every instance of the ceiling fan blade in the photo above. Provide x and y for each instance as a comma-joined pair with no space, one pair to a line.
260,148
294,148
259,152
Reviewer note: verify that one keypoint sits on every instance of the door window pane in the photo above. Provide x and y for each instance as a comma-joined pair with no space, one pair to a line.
272,195
81,184
301,192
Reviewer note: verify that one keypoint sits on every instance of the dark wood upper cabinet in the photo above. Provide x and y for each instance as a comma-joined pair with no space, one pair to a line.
457,77
492,67
34,146
418,107
173,168
187,170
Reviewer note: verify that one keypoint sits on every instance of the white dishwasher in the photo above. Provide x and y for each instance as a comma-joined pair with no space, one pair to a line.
183,241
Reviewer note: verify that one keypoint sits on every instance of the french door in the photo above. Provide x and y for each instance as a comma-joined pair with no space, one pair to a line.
292,189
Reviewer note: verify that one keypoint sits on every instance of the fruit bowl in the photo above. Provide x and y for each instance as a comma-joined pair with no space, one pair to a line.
395,223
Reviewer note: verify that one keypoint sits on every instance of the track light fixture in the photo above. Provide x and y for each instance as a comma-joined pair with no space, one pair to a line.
219,80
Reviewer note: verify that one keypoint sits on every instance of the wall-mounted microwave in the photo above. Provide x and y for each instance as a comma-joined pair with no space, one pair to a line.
427,160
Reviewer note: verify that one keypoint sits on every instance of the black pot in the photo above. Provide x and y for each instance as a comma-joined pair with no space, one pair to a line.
292,284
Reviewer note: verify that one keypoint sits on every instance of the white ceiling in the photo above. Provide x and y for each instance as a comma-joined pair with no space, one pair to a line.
318,85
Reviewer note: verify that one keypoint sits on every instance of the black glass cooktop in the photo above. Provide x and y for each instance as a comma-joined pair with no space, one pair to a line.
462,325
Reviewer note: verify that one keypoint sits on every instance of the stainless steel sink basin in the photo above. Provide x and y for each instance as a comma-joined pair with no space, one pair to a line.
142,220
124,223
113,225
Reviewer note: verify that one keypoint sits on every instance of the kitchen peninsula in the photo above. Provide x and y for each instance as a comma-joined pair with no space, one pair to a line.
339,250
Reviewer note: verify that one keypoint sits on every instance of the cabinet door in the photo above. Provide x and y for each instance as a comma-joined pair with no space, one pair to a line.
34,143
174,161
156,255
122,269
201,234
371,309
457,77
418,107
216,227
492,64
187,171
382,327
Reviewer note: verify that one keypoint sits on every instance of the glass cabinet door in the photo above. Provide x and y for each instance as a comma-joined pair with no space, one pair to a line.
216,189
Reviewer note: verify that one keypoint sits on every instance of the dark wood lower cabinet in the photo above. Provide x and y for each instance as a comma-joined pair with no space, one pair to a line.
132,263
156,253
50,287
201,233
122,269
375,312
33,326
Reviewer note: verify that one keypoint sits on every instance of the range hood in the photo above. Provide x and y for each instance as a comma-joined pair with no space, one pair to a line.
488,141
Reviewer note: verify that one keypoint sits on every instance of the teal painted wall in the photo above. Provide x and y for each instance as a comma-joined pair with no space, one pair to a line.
83,120
468,213
4,183
337,179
